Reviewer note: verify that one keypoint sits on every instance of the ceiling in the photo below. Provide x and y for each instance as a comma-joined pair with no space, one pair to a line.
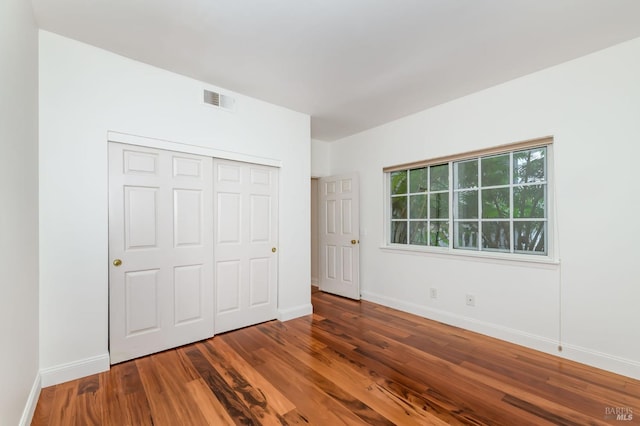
350,64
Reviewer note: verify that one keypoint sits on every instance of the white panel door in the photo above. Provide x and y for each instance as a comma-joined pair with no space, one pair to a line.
338,235
245,229
160,250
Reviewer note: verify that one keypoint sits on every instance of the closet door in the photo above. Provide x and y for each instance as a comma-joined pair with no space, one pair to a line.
246,258
160,250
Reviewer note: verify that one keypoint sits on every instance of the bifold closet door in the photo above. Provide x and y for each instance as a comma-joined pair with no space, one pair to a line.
160,250
245,232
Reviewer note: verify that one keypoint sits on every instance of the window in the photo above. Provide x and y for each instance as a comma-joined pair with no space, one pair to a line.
420,206
490,201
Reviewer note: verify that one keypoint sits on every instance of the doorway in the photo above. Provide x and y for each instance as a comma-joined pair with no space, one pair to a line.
338,229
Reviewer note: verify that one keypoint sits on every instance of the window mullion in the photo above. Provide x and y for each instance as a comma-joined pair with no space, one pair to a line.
511,188
479,236
408,241
428,195
452,212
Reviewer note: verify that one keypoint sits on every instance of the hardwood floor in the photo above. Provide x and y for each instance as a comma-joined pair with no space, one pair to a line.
350,363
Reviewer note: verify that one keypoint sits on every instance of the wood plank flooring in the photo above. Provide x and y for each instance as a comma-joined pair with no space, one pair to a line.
350,363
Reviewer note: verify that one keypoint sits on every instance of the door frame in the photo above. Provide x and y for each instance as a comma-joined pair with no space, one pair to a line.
146,142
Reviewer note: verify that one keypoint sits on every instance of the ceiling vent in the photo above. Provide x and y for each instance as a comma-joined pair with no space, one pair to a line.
219,100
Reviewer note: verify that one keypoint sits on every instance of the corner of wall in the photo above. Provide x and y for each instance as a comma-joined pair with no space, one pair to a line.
32,402
74,370
295,312
320,164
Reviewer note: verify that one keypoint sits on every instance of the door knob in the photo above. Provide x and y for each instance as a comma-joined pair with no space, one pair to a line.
273,249
353,241
117,262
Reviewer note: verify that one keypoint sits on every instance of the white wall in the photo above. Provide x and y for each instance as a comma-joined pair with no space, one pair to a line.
591,301
320,152
19,381
86,92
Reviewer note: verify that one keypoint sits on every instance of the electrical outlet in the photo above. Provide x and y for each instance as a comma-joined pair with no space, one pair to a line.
433,292
471,300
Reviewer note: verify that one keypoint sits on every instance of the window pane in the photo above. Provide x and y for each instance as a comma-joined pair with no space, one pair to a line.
495,236
467,204
440,233
495,170
530,236
419,233
398,207
418,180
495,203
418,206
466,234
529,201
399,232
439,206
466,174
529,166
399,182
440,177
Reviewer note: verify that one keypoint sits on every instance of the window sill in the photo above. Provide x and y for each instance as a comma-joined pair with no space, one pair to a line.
474,256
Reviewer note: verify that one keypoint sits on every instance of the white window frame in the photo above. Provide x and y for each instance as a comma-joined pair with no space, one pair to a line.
479,252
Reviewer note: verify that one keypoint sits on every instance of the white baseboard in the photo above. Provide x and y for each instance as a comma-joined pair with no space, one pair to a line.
74,370
315,281
297,312
32,402
587,356
619,365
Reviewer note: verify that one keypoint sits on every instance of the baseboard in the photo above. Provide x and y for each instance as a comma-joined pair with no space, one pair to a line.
619,365
32,402
297,312
74,370
315,281
587,356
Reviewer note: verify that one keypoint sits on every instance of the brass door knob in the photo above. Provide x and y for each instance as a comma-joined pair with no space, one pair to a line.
117,262
353,241
273,249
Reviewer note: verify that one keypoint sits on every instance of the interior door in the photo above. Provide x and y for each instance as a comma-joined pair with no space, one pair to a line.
338,235
160,250
246,258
